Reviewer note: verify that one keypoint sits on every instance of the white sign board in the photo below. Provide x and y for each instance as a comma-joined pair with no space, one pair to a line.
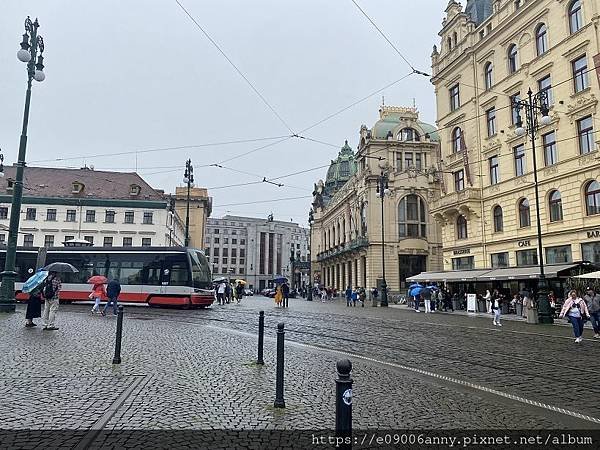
471,303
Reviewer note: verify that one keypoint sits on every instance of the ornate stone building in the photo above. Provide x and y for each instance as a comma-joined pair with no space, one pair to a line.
491,53
346,235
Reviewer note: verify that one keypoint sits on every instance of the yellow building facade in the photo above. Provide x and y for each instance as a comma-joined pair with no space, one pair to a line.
200,210
346,239
491,53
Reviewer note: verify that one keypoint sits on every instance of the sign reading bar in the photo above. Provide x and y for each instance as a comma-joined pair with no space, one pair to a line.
526,243
464,251
593,234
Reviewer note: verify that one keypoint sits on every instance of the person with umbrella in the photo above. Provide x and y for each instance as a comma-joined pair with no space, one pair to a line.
34,305
50,292
98,291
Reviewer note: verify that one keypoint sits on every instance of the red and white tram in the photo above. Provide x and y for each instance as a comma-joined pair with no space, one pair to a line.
157,276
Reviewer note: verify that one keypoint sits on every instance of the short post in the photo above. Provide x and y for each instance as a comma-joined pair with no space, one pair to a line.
279,401
117,357
343,403
261,337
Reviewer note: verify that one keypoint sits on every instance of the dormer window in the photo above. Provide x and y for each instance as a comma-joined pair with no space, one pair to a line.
134,189
77,187
10,184
409,134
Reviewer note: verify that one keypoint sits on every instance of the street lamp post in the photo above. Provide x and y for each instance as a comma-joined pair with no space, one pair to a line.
188,178
32,42
533,106
383,189
311,221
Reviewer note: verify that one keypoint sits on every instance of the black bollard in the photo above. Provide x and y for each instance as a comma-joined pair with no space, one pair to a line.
117,358
261,336
279,401
343,403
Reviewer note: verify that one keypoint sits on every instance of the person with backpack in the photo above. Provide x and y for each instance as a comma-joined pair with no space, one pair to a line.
576,312
50,292
113,289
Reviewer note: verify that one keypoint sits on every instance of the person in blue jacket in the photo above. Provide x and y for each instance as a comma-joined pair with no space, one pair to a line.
113,289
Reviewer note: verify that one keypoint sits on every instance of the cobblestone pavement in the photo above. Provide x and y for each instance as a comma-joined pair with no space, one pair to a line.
194,370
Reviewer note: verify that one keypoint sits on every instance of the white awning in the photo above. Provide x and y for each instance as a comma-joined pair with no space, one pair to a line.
524,273
450,275
592,275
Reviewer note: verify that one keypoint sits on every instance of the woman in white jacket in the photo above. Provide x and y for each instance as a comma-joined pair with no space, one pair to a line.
576,311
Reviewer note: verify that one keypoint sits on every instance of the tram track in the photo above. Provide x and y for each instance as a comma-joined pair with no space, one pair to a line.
250,323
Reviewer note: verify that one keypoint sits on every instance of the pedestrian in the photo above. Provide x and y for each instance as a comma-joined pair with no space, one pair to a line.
448,302
592,300
34,308
228,292
285,291
50,293
348,295
426,293
496,301
98,293
239,292
221,293
323,295
416,299
375,294
354,297
278,296
488,300
576,311
362,296
434,298
113,289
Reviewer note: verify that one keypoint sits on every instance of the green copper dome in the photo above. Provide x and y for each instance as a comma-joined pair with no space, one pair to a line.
340,170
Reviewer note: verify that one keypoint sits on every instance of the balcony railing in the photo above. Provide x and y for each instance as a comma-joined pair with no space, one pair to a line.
457,198
340,249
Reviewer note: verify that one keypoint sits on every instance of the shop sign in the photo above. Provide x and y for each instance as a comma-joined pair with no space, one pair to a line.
593,234
464,251
526,243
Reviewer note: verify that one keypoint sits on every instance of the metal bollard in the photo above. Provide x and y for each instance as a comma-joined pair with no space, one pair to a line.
117,357
261,337
279,401
343,403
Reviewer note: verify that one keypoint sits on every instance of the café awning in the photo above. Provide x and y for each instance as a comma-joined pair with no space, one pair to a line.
450,275
525,273
506,273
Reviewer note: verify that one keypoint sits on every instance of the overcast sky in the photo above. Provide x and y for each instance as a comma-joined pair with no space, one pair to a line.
134,75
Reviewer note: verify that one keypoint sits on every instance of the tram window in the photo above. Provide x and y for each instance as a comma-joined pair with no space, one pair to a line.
200,270
131,272
179,275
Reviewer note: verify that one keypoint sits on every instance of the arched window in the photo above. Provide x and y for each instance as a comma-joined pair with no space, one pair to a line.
456,140
524,215
555,203
461,228
575,16
454,38
541,39
343,230
592,198
488,71
513,64
412,217
363,219
498,219
409,134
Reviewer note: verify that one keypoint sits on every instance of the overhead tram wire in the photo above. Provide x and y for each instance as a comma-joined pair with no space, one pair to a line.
214,43
161,149
385,37
267,201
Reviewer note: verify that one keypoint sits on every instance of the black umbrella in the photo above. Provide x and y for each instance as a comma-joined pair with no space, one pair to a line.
61,267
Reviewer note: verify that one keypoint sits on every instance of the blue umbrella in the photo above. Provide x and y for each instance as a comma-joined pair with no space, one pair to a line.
280,279
35,280
434,288
413,292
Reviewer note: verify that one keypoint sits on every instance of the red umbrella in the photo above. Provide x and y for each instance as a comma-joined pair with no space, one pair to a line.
98,279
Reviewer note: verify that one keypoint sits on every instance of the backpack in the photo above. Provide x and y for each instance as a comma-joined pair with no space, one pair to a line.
48,290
